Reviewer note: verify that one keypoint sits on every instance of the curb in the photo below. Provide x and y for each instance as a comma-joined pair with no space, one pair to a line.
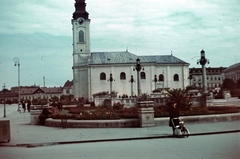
116,139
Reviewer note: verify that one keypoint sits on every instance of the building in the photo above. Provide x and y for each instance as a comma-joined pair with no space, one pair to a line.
68,88
95,72
31,93
214,75
233,72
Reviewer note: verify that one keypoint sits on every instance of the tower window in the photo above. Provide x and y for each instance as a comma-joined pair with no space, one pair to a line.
81,36
161,77
102,76
143,75
122,76
176,77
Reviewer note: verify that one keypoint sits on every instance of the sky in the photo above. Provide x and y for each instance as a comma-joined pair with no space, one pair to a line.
39,34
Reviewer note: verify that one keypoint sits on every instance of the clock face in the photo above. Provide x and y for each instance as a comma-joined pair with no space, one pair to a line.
80,21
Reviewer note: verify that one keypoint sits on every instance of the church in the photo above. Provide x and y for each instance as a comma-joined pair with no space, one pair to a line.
95,72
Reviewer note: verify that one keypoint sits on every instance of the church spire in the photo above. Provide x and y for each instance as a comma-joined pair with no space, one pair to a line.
80,10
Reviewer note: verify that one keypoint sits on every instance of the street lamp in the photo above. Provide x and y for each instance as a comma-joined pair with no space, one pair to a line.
155,80
4,91
17,63
190,78
203,62
132,80
138,67
111,80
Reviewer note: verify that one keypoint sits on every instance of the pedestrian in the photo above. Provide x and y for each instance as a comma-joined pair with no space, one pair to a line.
19,107
28,105
174,115
59,106
24,106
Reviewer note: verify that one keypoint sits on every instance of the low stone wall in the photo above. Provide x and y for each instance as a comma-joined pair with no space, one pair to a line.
93,123
146,114
35,112
35,116
121,123
201,119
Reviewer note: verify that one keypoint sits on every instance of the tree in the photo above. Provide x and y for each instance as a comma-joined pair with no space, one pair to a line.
55,99
238,83
179,96
229,84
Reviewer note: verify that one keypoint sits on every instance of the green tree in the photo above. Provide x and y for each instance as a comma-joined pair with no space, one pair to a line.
180,96
55,99
238,83
229,84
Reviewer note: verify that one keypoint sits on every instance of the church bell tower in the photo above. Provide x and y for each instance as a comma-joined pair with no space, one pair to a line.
81,50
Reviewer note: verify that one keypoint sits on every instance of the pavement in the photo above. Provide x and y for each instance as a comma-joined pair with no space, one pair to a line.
23,134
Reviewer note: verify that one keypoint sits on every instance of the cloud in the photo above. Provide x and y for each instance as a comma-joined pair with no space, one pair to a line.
40,33
29,17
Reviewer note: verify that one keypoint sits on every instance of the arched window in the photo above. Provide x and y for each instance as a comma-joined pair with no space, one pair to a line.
161,77
122,76
143,75
102,76
81,36
175,77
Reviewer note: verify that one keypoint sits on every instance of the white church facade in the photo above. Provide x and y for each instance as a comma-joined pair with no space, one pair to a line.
92,70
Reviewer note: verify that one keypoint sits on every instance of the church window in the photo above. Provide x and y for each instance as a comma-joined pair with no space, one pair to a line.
102,76
143,75
176,77
122,76
161,77
81,36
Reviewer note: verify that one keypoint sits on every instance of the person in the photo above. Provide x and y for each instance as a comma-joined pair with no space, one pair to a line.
54,111
60,106
28,105
43,116
173,113
19,107
24,106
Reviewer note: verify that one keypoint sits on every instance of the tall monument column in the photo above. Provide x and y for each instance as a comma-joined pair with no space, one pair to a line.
203,61
81,50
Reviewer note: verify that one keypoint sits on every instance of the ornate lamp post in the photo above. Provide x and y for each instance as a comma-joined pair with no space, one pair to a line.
4,91
138,67
111,80
17,63
132,80
190,78
203,62
155,80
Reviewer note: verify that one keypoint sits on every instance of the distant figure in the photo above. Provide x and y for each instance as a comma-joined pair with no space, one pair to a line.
54,111
60,106
19,107
28,105
174,114
55,104
44,115
24,106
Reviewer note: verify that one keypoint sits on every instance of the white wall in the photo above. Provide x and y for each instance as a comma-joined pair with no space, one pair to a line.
147,85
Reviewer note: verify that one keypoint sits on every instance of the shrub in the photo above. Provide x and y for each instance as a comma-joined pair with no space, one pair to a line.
221,109
39,101
108,112
161,111
118,106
